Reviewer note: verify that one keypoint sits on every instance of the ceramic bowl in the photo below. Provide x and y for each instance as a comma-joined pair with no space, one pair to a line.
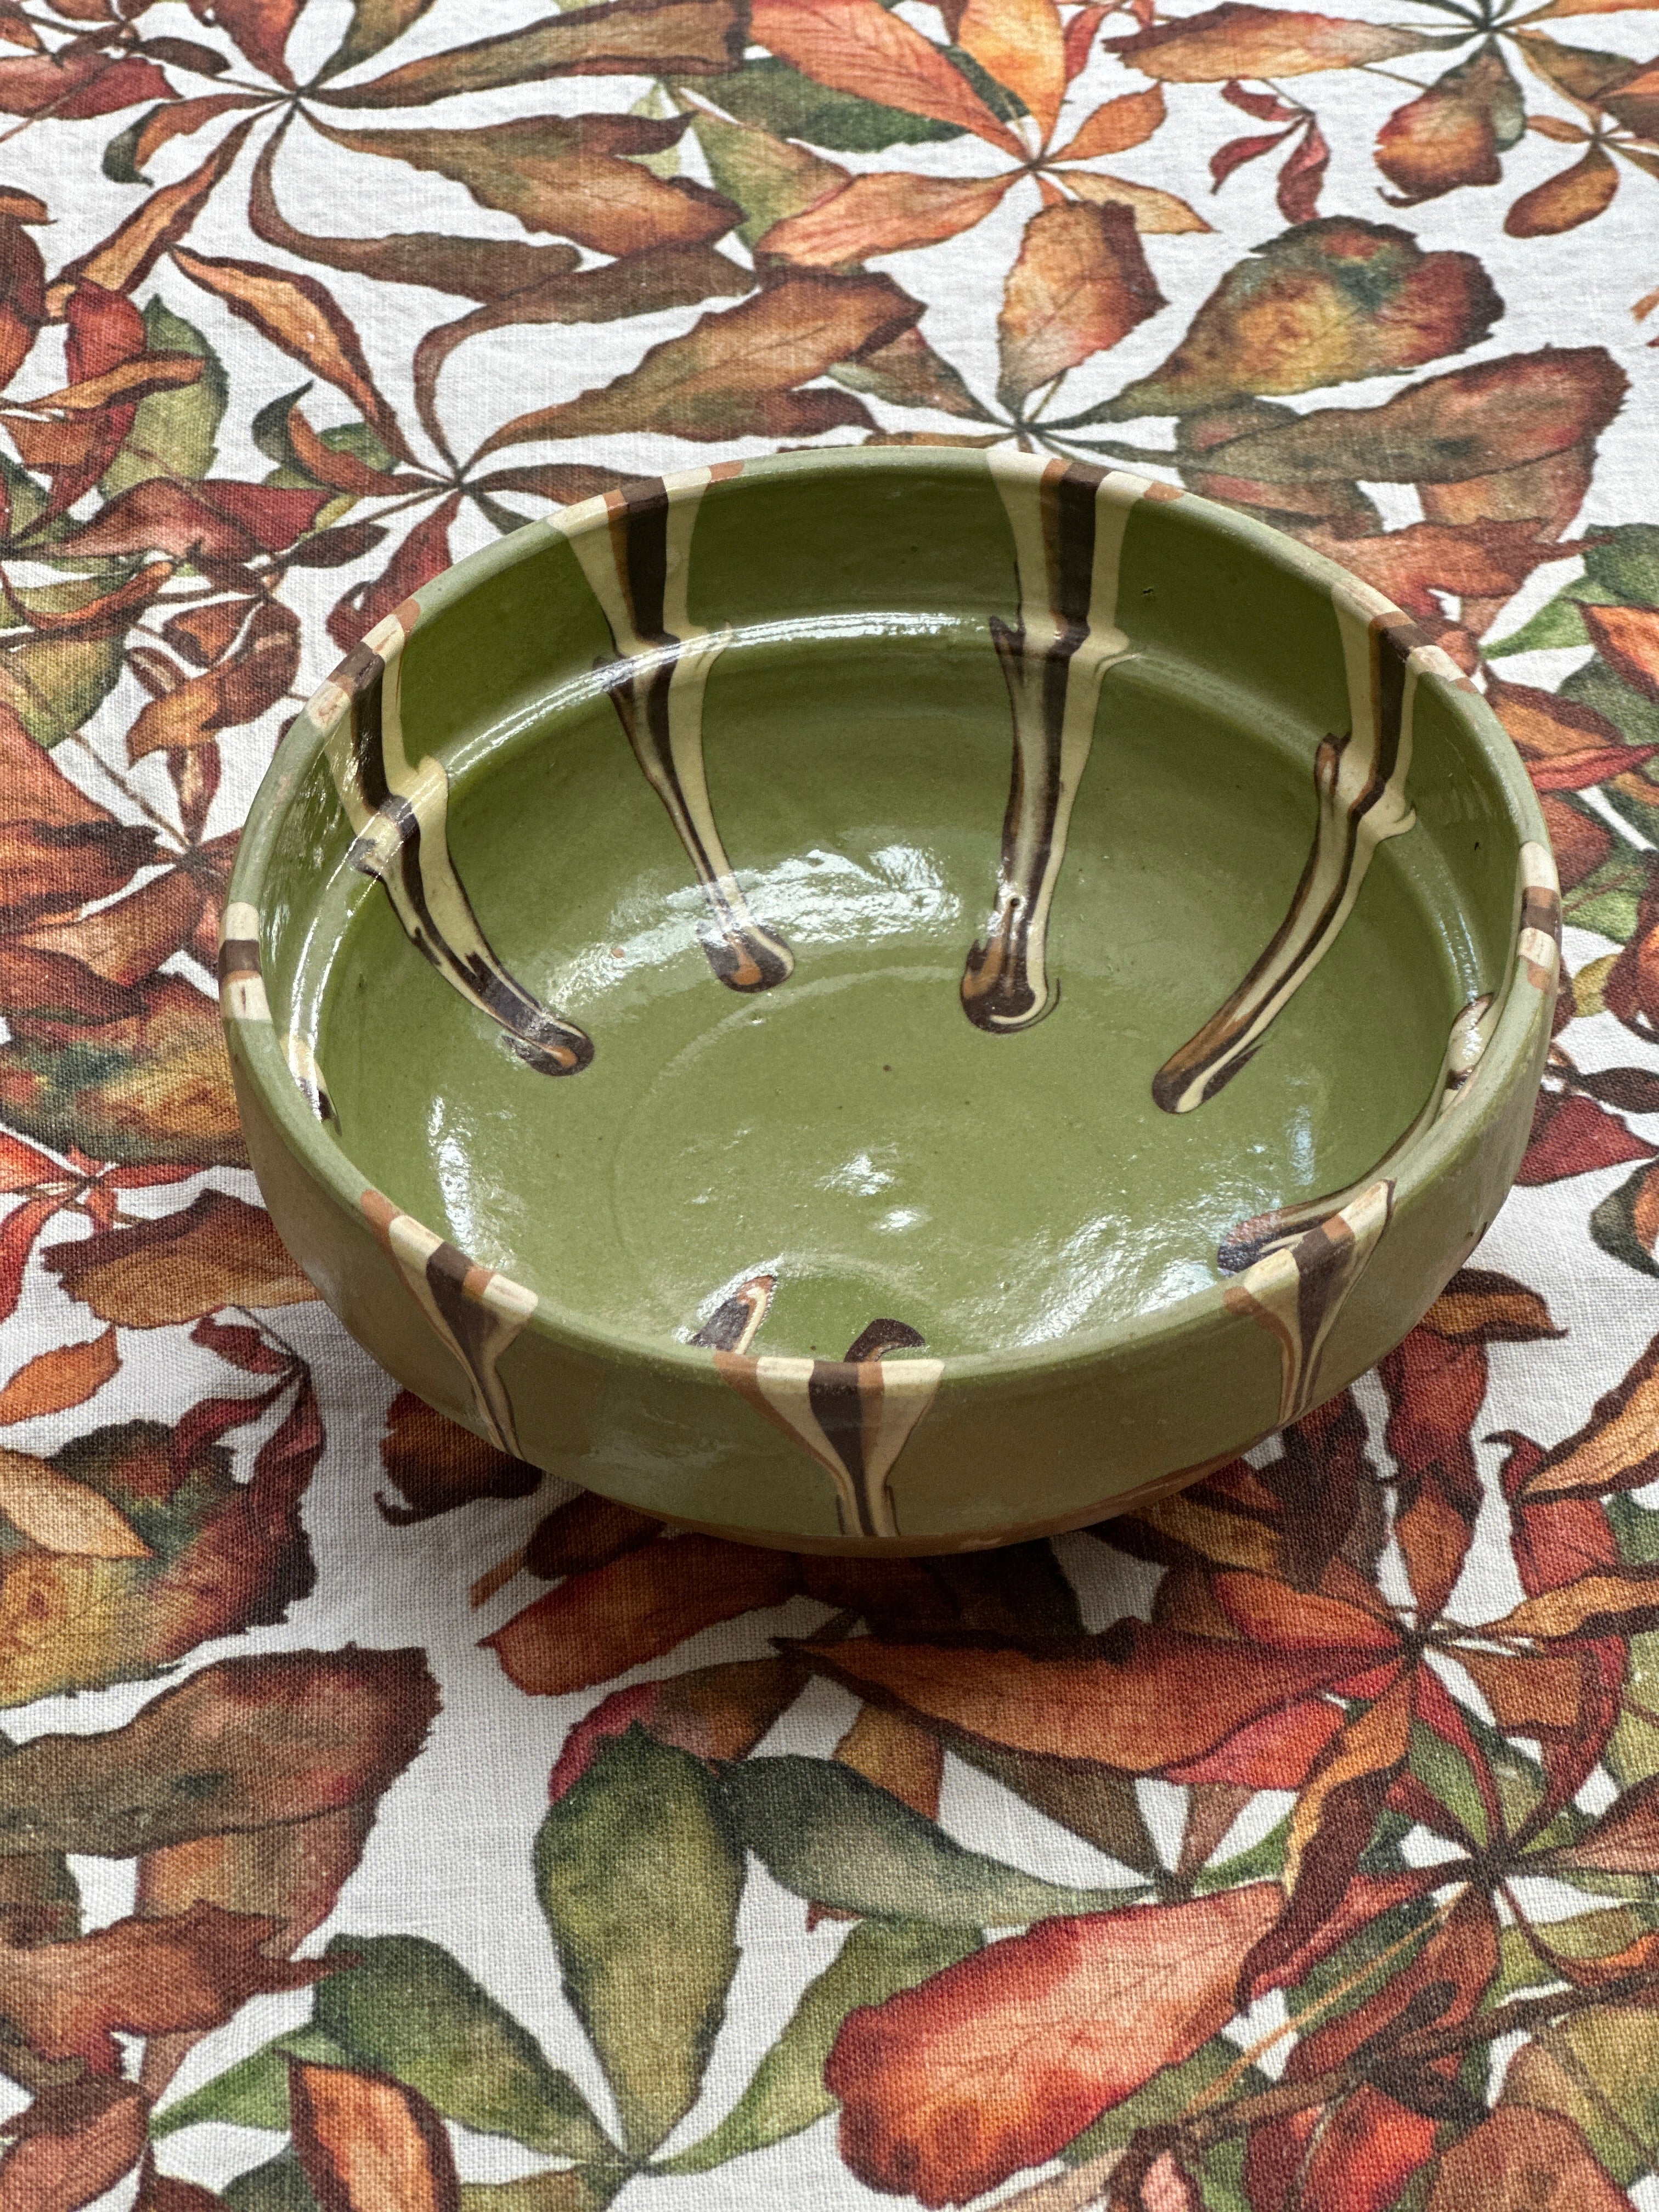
889,999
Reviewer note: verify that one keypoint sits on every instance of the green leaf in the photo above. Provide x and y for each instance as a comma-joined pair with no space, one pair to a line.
1608,899
639,1875
1625,563
781,100
769,178
1091,1801
1006,105
1595,684
408,2010
573,2190
55,684
1613,1225
173,431
1592,1935
254,2093
277,2187
787,2093
1601,2070
1166,2097
373,27
1447,1775
828,1834
1261,1860
1558,624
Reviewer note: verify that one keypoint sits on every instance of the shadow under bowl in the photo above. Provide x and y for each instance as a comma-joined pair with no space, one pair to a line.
888,1001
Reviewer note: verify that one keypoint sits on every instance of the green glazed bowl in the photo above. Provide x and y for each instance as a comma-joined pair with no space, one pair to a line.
889,999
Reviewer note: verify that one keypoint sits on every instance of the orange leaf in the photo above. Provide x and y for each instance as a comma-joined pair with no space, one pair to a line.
1617,1449
1519,2159
1627,638
1116,126
1234,41
1450,135
1021,44
126,257
896,1755
1577,195
1001,2060
640,1606
1596,1604
54,1380
238,690
1161,1699
883,213
858,47
129,938
370,2145
295,313
144,1977
217,1251
1079,285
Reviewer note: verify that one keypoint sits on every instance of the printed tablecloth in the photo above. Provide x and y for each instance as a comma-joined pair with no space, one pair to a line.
379,1834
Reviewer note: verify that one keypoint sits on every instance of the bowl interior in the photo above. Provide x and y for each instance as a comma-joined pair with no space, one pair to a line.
827,893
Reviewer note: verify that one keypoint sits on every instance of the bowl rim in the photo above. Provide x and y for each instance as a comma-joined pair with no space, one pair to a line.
253,1045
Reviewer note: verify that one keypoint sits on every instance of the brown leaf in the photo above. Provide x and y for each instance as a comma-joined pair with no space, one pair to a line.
217,1251
639,284
1153,1698
1521,2161
1465,423
1453,133
888,212
1236,40
178,118
297,315
1616,1449
245,1744
72,2144
472,268
1413,566
238,690
438,1466
599,1623
896,1755
1021,44
54,1380
1000,2061
580,177
260,28
58,848
586,1532
368,2144
859,47
126,257
142,1977
1480,1306
1628,639
1326,302
1080,284
77,80
736,374
1115,126
908,373
375,25
621,38
1158,212
1604,1604
1577,195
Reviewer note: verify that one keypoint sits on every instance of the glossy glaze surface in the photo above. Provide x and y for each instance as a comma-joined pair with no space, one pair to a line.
891,1000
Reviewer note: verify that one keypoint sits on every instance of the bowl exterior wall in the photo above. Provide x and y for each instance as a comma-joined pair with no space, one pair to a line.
1005,1448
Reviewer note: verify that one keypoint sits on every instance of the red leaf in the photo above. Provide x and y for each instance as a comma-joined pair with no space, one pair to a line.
595,1626
1237,151
77,81
1571,1135
1266,107
1001,2060
1303,177
17,1234
423,554
260,28
230,521
72,2144
105,329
